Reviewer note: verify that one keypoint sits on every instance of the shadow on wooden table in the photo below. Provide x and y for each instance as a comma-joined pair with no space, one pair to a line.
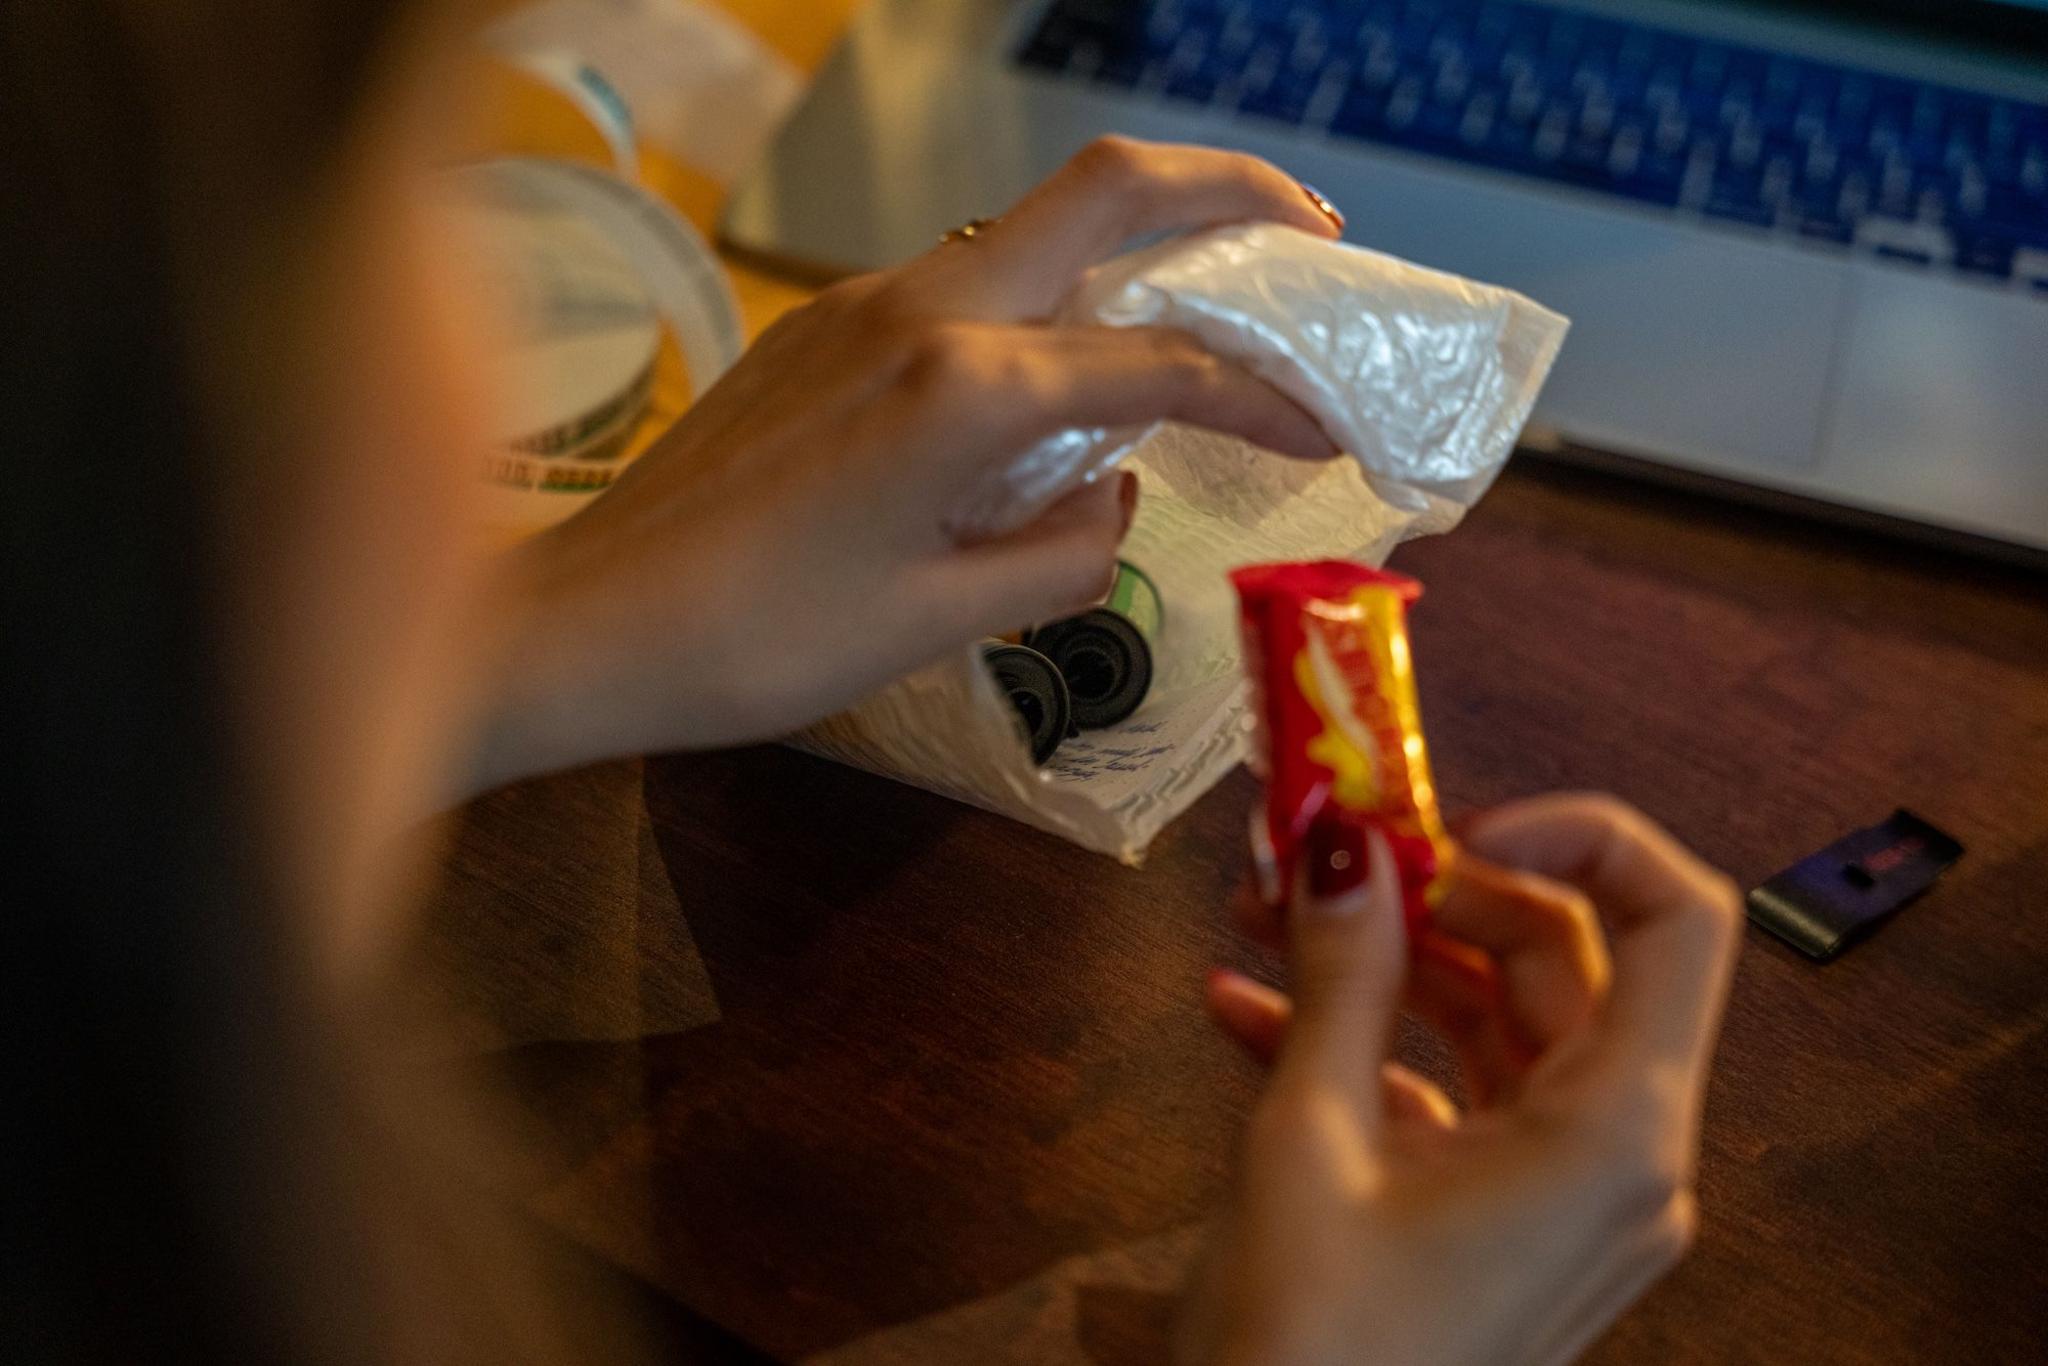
927,1077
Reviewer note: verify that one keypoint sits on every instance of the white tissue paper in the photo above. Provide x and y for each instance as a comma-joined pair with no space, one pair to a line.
1425,378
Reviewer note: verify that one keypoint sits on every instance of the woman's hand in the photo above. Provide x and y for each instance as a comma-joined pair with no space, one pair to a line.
781,552
1374,1222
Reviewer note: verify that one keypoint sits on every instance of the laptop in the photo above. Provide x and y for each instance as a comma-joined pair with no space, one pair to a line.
1804,246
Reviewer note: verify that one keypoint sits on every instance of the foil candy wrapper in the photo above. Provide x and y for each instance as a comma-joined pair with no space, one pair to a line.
1425,378
1326,644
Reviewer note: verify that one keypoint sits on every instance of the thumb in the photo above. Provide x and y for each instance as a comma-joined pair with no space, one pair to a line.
1059,564
1350,957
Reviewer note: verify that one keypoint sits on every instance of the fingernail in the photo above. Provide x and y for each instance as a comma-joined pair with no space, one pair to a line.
1317,198
1335,852
1127,496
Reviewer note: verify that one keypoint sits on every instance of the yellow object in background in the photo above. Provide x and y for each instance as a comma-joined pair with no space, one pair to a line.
524,114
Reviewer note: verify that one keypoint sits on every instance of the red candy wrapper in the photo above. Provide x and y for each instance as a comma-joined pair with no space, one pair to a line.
1326,643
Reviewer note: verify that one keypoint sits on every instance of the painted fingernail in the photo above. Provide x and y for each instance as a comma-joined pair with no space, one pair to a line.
1321,201
1336,856
1127,496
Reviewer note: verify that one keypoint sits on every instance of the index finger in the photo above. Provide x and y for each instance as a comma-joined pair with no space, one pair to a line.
1116,189
1673,919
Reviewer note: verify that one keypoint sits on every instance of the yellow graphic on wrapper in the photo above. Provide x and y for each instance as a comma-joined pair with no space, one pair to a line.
1343,747
1373,724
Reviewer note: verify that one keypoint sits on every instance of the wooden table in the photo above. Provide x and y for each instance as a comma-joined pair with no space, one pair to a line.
859,1073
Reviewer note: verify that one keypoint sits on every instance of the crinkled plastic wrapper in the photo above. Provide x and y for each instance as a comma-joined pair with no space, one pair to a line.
1337,722
1424,377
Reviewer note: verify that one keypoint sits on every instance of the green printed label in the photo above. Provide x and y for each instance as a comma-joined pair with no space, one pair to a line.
1135,598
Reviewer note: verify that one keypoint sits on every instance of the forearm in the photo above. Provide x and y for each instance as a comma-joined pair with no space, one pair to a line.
605,650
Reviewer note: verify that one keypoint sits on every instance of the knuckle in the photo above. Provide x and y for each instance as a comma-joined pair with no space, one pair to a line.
1704,896
1622,821
1576,915
965,363
1194,372
941,362
1202,368
1624,831
1552,915
1259,176
888,308
1007,370
1114,164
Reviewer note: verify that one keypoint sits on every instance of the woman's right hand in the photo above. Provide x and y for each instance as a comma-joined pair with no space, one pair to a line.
1374,1221
785,549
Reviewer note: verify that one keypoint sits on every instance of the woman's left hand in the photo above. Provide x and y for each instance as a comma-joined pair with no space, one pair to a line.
1579,963
782,551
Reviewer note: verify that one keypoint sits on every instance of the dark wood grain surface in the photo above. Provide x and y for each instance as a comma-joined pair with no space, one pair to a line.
832,1062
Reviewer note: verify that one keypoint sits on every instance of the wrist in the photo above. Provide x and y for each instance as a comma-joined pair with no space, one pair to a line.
543,704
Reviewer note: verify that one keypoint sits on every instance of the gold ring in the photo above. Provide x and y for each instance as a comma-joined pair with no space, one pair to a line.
967,231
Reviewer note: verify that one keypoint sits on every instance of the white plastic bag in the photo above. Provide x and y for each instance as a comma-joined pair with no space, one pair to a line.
1424,377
